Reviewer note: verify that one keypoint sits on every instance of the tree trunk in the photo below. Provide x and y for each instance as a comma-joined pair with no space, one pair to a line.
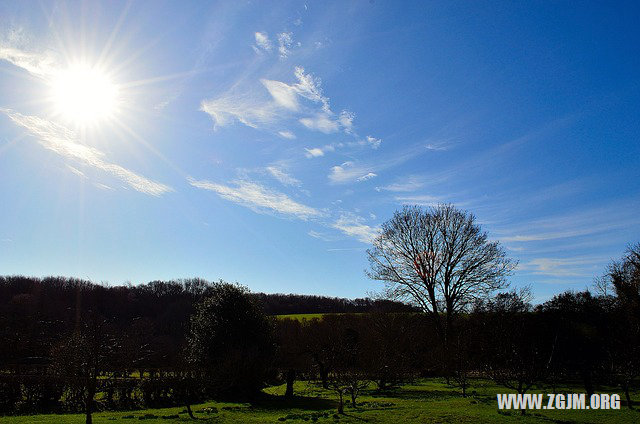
625,387
324,376
88,403
340,403
521,392
588,383
353,398
190,412
291,378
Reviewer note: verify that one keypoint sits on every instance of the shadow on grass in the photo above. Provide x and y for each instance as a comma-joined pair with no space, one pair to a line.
355,417
273,402
414,394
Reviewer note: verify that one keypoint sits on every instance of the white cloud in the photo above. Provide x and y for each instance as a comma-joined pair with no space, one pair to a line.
422,200
346,120
314,153
287,134
439,146
246,110
321,236
285,40
309,87
354,226
411,183
373,142
302,100
39,64
367,177
348,172
283,94
607,219
263,42
258,198
76,171
561,267
280,175
321,122
64,142
320,151
103,186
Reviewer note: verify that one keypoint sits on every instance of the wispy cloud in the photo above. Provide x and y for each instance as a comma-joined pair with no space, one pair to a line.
287,134
561,267
39,64
245,109
262,42
349,172
439,146
302,102
407,184
283,94
258,198
76,171
367,177
373,142
285,40
64,142
321,236
321,122
314,153
581,223
422,200
279,174
354,226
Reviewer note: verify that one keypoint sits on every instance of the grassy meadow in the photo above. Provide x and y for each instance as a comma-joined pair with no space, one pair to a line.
426,401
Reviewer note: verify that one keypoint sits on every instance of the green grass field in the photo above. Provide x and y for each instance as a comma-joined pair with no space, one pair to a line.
429,401
303,317
300,317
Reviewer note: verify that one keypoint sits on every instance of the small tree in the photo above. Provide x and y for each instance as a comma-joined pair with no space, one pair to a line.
231,341
81,358
624,344
517,351
348,375
293,355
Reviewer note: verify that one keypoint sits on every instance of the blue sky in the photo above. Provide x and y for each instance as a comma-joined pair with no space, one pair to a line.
264,142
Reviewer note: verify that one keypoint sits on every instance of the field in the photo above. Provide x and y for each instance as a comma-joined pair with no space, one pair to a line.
300,317
427,401
308,317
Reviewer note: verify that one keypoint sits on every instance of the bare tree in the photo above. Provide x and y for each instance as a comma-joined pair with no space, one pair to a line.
439,259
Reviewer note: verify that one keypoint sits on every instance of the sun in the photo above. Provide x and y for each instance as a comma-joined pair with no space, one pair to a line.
84,95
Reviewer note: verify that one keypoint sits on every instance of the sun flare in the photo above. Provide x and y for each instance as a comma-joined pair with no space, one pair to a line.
84,95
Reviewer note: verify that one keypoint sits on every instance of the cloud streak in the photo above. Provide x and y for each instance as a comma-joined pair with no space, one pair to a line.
40,65
64,142
258,198
354,226
280,175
